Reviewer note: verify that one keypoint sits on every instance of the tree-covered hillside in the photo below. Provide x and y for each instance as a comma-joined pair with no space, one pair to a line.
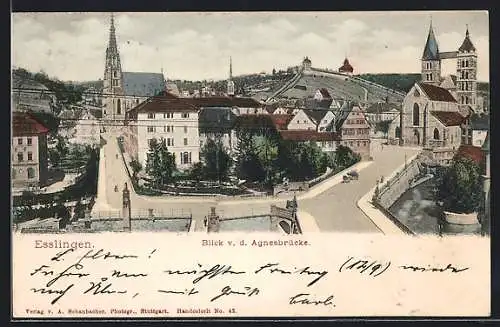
66,93
399,82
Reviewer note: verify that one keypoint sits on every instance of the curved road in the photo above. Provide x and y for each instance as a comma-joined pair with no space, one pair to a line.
334,209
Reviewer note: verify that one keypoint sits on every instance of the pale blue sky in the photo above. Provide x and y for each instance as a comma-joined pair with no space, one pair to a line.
71,46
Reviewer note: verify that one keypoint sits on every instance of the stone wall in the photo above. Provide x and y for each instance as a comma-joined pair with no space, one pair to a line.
393,189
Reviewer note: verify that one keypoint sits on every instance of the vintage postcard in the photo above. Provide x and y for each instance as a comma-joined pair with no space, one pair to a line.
250,164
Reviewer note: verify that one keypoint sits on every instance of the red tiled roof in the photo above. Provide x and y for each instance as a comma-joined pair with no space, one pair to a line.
308,135
449,118
436,93
471,152
162,103
221,101
346,67
24,124
270,108
281,121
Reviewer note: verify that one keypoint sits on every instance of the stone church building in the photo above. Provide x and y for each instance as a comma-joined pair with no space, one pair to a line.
124,90
435,110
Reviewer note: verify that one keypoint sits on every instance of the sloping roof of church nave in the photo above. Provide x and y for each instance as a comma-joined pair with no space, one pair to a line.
449,118
142,84
436,93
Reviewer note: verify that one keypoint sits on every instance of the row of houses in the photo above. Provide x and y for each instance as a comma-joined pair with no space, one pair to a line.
187,123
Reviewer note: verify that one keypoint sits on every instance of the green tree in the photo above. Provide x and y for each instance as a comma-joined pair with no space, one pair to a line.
460,187
216,159
248,164
197,171
136,167
160,163
345,157
383,126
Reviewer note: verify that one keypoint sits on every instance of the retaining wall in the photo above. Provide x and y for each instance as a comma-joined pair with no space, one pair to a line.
393,189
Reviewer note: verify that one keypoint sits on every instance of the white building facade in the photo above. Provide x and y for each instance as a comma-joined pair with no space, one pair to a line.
164,118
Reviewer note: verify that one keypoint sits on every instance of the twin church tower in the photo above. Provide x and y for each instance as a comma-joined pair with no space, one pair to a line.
465,90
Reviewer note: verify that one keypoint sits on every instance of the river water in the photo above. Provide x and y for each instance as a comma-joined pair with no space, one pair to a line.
417,210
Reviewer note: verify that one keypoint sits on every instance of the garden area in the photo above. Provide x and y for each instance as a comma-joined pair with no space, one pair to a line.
261,161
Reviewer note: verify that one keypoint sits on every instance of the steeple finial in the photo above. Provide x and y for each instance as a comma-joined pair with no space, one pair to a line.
112,35
467,30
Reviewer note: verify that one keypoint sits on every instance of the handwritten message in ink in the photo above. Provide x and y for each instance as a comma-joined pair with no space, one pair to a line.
154,281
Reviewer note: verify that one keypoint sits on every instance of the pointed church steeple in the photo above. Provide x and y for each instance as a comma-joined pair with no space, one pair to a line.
112,47
230,68
431,50
112,74
467,45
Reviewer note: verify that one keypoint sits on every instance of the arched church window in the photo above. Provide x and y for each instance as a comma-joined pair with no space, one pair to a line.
118,107
436,134
467,63
114,73
416,115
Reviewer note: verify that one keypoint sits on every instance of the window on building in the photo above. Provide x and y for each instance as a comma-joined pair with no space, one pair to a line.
31,172
151,129
151,115
20,141
185,129
185,158
170,142
13,175
416,115
30,156
436,134
119,107
185,141
20,156
185,115
150,142
30,141
136,101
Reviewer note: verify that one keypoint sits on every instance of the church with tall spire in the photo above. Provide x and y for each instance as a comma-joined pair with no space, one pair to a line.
124,90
